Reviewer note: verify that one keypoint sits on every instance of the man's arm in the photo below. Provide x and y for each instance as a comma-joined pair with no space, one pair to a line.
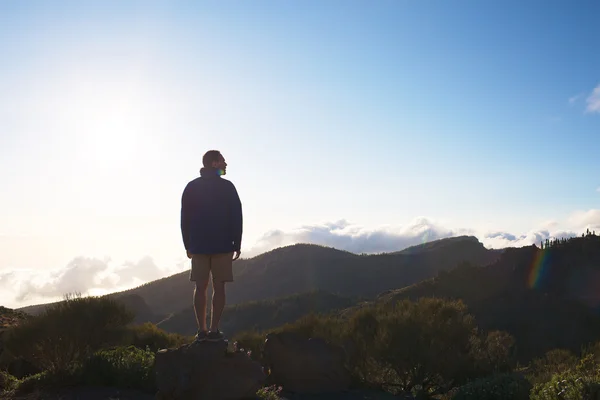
236,219
185,218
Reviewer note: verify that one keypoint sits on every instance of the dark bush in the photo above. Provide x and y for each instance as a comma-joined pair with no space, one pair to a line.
122,367
150,336
570,385
495,387
7,381
68,332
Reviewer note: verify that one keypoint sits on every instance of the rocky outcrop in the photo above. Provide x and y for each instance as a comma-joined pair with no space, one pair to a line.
203,371
303,365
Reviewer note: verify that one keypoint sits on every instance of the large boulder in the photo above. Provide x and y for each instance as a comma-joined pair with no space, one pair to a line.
304,365
206,370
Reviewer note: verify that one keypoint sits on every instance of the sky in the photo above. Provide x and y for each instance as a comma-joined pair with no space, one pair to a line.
368,126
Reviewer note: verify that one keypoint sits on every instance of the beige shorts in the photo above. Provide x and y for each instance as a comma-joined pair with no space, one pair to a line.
220,265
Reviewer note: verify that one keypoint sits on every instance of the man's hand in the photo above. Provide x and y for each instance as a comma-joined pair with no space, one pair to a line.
189,254
236,254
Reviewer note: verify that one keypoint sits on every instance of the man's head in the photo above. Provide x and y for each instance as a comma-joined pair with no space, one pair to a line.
214,159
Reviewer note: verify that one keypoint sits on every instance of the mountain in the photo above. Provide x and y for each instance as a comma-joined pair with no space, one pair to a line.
545,298
304,268
261,315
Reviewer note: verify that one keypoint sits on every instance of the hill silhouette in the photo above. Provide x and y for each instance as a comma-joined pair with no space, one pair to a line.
544,297
304,268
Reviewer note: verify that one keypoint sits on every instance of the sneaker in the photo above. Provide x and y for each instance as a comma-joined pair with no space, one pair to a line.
201,336
215,336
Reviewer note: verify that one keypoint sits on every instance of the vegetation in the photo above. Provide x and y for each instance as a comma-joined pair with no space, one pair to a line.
68,332
496,387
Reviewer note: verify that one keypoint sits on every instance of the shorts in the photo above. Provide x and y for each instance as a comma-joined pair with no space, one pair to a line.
220,265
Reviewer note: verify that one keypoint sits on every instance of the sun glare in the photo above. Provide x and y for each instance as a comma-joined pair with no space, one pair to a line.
108,121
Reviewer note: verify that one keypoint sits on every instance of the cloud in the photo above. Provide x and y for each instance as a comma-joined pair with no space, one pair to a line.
82,274
598,190
593,101
499,240
586,219
573,99
344,236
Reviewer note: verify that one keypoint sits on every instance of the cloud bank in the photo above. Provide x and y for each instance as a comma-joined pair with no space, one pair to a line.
344,236
81,275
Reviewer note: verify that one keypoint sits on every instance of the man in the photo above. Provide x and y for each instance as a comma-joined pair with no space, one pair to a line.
211,226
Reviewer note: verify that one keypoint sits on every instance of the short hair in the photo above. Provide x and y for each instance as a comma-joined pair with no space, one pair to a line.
210,157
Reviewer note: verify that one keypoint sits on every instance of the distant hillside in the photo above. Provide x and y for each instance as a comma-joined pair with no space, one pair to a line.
304,268
261,315
545,298
134,302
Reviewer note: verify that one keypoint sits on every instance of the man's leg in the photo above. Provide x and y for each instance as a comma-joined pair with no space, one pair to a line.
218,304
222,272
199,274
200,294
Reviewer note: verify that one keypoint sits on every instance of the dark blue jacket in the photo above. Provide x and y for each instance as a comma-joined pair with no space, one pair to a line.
211,215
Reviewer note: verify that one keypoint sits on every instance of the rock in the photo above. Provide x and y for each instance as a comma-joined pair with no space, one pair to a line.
206,371
303,365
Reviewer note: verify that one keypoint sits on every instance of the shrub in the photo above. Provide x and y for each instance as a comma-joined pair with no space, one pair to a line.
47,380
68,332
493,353
253,341
553,362
122,367
7,381
570,385
150,336
421,346
495,387
269,393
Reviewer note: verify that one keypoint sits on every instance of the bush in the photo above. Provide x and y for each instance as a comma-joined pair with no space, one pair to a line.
68,332
7,381
495,387
269,393
47,380
150,336
570,385
421,346
554,362
122,367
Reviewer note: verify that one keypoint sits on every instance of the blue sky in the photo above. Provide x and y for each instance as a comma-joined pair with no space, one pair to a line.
370,126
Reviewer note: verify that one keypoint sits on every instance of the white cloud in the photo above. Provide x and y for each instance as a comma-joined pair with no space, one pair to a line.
586,219
82,274
593,101
344,236
499,240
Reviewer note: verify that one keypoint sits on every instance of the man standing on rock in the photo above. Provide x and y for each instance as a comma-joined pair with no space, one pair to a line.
211,226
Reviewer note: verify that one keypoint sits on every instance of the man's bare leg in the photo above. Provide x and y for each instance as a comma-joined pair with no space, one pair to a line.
218,304
200,294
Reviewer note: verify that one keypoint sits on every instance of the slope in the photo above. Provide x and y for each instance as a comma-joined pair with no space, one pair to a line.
261,315
543,297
